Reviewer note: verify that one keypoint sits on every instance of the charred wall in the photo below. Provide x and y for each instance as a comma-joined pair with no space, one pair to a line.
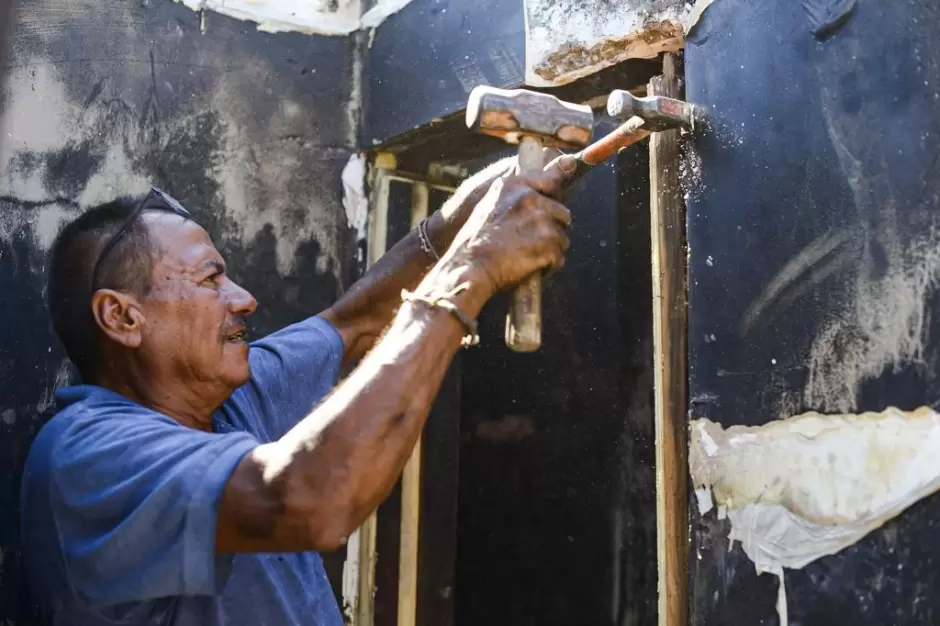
249,130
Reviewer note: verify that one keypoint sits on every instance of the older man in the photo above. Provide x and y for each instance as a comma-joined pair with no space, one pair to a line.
193,476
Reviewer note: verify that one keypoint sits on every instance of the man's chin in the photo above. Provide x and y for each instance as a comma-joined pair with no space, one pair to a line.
237,368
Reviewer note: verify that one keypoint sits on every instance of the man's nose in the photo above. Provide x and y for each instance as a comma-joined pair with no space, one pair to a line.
240,301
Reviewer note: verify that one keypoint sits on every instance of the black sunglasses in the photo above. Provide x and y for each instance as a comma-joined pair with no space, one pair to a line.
165,203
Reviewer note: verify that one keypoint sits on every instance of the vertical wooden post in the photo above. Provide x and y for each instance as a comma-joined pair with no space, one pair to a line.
669,360
359,572
411,482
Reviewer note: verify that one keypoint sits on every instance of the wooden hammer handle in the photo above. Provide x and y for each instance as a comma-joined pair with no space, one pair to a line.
624,136
524,318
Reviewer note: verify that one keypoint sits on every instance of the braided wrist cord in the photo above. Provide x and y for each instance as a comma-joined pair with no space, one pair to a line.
425,240
442,301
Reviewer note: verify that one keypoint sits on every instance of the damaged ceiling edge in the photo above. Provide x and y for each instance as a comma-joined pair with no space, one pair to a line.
566,41
574,62
310,18
799,489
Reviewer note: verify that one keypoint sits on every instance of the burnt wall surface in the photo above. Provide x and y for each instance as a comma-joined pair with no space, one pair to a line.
556,521
422,63
102,98
812,224
425,59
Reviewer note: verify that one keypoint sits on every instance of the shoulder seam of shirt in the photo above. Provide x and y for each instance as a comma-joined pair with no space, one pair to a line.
336,340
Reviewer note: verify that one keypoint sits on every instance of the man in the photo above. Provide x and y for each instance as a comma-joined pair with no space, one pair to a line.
191,479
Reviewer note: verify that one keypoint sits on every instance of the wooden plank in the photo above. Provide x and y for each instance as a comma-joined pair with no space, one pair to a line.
669,341
411,482
440,463
359,573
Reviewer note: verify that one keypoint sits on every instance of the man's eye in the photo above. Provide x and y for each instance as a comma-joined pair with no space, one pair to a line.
213,279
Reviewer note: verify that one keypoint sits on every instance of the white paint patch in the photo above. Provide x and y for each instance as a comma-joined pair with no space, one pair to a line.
570,39
354,194
311,17
704,499
351,577
798,489
884,325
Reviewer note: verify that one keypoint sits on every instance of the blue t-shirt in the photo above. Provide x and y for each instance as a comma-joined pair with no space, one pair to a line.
119,502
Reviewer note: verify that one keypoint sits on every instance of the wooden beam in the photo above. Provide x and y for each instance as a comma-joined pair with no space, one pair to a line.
411,482
669,359
361,557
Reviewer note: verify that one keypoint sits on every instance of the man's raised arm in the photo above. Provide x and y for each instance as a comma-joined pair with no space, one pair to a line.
317,484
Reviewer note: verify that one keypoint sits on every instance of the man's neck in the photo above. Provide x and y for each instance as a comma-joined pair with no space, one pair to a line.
190,407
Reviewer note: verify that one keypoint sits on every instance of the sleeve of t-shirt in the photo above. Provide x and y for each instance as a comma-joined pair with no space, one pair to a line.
291,371
135,500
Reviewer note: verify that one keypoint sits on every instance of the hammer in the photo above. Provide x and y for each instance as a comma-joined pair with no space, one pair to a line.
643,116
531,120
658,112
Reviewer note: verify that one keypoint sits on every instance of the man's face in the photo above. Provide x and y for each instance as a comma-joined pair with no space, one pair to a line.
195,314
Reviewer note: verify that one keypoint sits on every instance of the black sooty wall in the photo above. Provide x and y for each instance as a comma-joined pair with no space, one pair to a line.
102,98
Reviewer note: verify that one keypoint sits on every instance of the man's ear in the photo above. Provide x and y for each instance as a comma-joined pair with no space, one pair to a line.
119,316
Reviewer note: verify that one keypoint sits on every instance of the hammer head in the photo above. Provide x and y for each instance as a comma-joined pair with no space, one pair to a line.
517,113
659,112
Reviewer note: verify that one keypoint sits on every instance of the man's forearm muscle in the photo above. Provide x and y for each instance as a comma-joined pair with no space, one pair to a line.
339,463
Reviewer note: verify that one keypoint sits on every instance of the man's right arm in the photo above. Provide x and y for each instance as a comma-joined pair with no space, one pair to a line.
317,484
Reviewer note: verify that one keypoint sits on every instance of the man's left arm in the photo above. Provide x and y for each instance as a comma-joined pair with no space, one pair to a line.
362,313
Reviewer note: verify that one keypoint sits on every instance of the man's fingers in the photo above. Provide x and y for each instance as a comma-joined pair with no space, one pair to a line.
550,181
562,243
563,166
559,213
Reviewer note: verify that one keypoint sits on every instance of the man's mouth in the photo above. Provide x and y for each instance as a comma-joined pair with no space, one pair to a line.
237,336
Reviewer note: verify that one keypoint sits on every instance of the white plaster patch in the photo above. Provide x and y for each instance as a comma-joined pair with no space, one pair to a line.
354,194
570,39
798,489
311,17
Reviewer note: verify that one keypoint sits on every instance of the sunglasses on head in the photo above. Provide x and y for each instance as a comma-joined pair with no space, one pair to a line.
155,200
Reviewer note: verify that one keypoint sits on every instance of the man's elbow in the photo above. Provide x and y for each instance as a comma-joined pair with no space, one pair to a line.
331,521
264,509
329,536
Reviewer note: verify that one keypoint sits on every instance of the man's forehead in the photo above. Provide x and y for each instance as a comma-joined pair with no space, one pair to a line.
181,241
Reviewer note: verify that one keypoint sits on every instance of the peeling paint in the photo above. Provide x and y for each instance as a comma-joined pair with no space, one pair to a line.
570,39
798,489
311,17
